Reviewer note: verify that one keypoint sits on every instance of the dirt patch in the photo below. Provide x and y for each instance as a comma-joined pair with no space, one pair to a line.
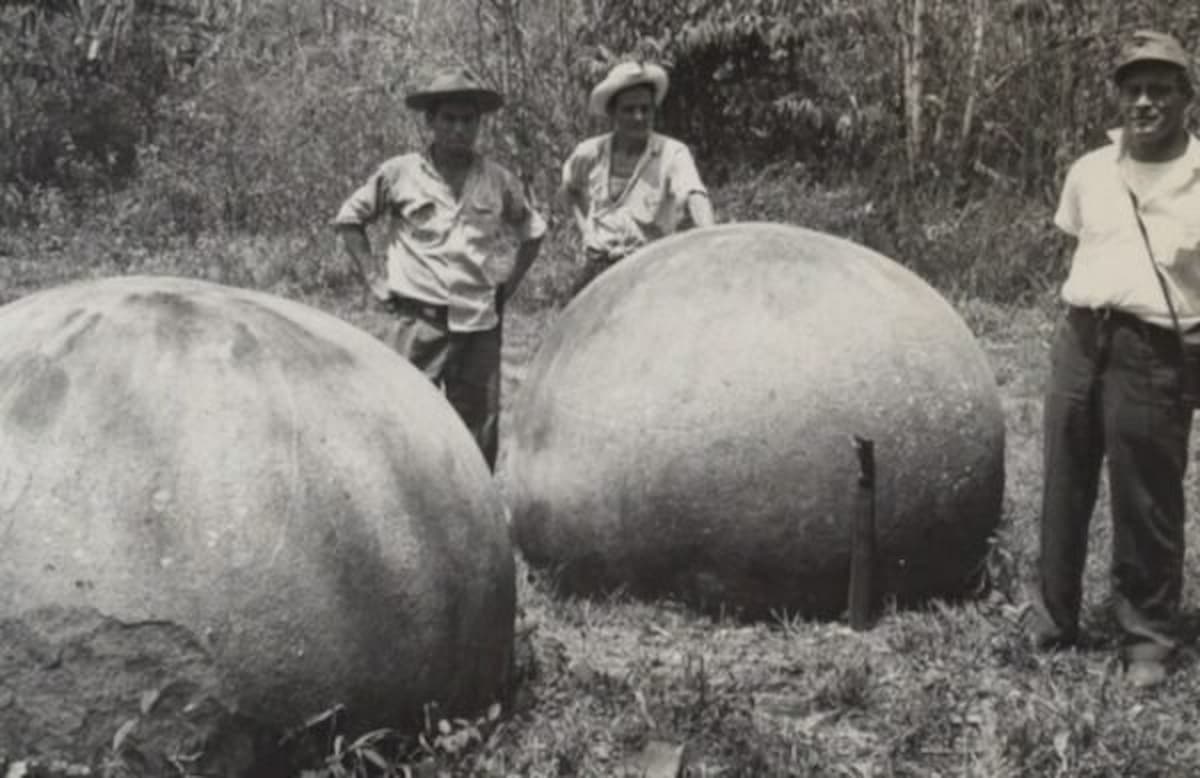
79,686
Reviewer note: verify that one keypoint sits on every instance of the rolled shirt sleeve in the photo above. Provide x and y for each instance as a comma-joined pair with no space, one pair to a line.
520,214
1067,217
366,202
684,175
574,177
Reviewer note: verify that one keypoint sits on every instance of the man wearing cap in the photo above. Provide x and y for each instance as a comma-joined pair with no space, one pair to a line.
1116,364
447,212
632,185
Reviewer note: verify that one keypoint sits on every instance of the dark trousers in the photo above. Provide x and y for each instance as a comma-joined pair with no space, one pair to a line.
1113,395
465,365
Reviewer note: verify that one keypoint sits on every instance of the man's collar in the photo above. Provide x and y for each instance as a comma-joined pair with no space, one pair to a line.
1190,156
427,158
654,143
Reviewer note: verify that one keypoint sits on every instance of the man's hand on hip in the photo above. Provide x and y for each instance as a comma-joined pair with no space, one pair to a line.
378,294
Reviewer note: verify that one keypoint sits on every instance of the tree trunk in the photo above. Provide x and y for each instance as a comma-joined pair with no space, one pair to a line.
913,43
980,10
1070,129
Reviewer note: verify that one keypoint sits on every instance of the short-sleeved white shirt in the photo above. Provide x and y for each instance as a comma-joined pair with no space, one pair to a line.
652,202
442,249
1110,266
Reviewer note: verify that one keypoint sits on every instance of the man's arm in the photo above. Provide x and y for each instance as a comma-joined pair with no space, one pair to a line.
358,247
578,207
686,182
1068,216
529,227
700,209
527,251
362,207
571,189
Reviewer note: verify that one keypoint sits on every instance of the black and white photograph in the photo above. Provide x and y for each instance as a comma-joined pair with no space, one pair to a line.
599,389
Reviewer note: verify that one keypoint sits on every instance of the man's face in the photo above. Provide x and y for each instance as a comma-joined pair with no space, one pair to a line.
1153,99
633,113
455,125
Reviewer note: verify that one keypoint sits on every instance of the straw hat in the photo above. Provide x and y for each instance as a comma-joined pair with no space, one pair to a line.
624,76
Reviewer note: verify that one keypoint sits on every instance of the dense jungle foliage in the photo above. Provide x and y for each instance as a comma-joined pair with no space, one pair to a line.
933,130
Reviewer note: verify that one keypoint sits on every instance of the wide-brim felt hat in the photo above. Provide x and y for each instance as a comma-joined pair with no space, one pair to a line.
625,76
1151,46
456,84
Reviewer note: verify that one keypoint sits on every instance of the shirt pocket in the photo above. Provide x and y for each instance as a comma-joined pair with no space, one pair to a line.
420,218
483,213
1184,265
646,203
597,187
1189,246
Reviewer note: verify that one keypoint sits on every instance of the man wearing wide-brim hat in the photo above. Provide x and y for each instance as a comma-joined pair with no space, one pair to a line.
1132,300
631,185
447,211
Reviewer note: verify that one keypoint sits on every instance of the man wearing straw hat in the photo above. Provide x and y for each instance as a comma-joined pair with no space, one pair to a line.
1117,368
447,212
631,185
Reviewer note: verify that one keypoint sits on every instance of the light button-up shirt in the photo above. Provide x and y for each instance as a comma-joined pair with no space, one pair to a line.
1110,266
650,205
442,249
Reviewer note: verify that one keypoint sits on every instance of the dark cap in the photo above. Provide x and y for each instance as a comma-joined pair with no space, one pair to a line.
458,84
1151,46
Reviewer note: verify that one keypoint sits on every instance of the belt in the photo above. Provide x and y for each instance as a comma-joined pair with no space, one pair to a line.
437,314
1114,317
602,257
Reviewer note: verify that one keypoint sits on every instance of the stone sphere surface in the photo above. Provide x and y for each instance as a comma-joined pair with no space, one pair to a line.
686,427
276,488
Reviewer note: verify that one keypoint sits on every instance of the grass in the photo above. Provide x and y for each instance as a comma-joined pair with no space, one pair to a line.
942,691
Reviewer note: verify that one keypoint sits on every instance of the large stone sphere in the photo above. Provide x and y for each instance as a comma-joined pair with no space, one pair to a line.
686,427
191,473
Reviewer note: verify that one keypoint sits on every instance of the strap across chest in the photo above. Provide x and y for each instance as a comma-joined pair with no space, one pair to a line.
621,170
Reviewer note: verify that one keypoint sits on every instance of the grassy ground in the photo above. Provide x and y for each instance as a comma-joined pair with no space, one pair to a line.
945,691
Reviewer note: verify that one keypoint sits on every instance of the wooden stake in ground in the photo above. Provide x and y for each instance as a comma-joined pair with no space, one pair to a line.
861,597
